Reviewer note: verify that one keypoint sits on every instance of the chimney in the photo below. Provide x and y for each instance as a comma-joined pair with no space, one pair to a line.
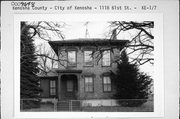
114,35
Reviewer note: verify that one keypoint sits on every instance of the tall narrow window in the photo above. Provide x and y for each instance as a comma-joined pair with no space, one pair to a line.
71,58
88,60
106,83
106,58
89,84
52,87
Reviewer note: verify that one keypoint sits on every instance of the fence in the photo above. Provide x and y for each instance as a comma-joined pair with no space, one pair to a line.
94,105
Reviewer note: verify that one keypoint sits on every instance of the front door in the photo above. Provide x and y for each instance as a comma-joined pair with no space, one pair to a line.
69,87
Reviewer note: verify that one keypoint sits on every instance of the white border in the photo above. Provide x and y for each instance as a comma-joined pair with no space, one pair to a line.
158,67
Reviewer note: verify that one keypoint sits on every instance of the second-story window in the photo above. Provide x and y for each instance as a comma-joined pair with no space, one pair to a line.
88,59
71,55
106,58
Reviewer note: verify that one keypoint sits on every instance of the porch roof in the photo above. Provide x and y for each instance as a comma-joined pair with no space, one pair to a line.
51,73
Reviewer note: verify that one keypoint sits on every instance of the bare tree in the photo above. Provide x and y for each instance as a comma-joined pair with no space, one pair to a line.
140,48
47,59
45,31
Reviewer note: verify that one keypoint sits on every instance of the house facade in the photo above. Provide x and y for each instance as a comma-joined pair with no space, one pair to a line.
83,71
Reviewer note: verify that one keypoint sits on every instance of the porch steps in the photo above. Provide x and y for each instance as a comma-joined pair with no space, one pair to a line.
69,105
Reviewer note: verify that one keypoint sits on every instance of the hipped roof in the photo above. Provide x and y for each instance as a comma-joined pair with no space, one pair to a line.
87,42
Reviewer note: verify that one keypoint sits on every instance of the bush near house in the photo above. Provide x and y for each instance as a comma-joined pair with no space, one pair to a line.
132,86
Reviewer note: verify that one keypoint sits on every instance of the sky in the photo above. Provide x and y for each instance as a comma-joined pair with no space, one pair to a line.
94,29
78,30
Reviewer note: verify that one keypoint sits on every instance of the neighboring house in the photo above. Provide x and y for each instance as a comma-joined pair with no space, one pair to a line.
81,75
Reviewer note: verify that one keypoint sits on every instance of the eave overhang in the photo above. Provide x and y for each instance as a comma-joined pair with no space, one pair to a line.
87,42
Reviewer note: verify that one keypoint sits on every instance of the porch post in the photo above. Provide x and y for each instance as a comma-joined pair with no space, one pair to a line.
78,79
59,87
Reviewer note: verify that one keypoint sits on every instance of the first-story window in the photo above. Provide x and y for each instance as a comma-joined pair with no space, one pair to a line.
89,84
71,55
52,87
106,83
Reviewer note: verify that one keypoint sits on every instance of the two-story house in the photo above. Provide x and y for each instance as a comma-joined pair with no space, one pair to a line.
83,69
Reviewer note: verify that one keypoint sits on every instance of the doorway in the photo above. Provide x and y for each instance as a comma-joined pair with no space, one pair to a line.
69,87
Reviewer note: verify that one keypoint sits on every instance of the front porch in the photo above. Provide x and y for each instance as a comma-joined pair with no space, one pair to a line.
60,85
68,84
